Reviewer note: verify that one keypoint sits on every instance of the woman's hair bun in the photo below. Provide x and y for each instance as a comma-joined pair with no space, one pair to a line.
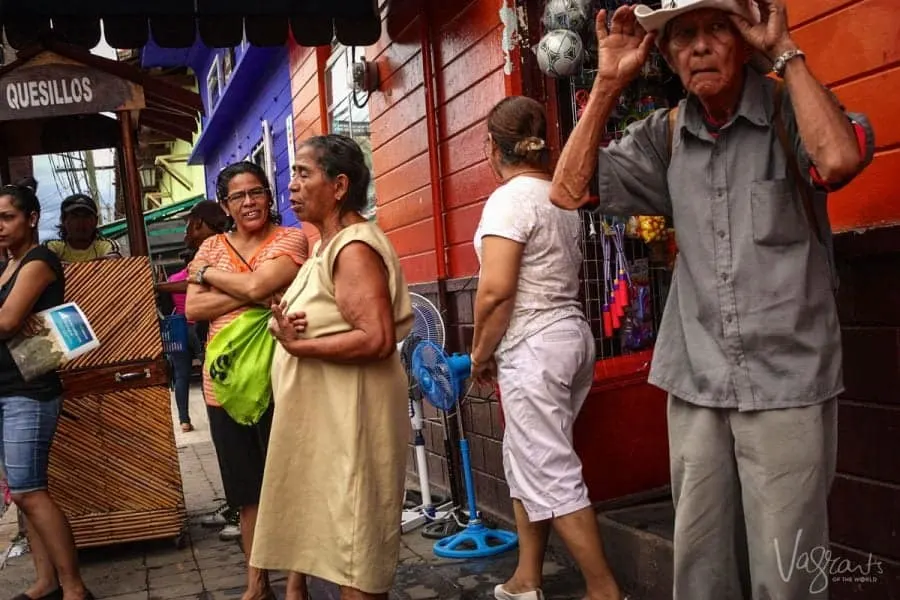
529,144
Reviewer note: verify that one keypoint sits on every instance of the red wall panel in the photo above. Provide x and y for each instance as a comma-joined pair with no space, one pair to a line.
411,175
870,95
406,210
853,46
873,199
864,37
801,11
468,80
305,102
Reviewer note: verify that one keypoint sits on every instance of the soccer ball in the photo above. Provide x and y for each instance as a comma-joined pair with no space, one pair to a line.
565,14
559,53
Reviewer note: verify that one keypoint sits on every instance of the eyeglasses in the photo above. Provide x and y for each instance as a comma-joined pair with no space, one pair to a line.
254,194
685,36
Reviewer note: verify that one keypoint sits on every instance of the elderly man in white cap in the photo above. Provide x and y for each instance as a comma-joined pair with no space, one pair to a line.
749,347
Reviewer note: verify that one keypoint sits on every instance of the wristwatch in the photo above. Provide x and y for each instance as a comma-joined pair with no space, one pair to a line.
200,272
782,61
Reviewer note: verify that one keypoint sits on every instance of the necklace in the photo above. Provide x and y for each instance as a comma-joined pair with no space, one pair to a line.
514,175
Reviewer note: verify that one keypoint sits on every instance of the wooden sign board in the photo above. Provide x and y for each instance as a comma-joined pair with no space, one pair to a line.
50,85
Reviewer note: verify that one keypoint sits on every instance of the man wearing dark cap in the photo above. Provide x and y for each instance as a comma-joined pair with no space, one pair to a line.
79,240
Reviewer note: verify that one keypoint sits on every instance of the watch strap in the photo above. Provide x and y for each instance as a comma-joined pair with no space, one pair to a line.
781,62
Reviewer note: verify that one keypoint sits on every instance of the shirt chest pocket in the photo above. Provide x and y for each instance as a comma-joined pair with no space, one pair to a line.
778,217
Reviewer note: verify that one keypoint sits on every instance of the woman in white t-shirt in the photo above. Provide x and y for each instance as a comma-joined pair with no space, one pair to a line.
530,332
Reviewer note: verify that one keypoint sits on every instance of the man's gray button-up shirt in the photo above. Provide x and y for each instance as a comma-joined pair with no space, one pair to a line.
750,321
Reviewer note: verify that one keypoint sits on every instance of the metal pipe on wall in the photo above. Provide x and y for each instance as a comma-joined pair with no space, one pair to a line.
134,212
434,161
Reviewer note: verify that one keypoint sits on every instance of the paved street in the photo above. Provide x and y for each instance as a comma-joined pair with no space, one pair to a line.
209,569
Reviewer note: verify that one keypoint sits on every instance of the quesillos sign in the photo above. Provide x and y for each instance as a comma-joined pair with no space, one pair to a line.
46,88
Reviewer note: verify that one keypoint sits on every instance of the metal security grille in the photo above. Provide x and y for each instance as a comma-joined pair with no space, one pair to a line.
648,265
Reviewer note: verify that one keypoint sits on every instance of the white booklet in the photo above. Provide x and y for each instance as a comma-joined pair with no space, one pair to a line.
52,338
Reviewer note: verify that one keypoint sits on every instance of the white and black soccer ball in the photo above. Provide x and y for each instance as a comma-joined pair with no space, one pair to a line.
565,14
560,53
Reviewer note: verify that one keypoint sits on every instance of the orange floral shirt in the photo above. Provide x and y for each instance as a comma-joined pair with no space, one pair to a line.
218,254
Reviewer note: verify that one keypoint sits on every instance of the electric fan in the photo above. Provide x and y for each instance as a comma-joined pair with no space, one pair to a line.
441,378
427,326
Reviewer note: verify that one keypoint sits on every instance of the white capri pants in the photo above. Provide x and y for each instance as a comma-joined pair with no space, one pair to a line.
544,381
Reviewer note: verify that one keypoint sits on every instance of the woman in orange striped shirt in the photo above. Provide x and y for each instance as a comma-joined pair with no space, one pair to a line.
247,266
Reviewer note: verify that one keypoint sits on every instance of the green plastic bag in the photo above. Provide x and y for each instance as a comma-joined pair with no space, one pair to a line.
239,363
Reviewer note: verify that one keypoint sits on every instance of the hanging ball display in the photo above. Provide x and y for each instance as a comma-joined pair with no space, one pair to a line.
565,14
559,53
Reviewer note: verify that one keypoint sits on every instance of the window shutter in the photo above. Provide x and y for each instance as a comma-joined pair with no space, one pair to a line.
289,133
269,154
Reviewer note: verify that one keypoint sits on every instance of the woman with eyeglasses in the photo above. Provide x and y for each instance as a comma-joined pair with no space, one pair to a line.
247,266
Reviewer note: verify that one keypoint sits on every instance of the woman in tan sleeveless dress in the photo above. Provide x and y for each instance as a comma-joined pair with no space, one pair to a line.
334,480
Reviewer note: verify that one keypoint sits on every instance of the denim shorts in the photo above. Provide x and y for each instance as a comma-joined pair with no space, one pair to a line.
27,428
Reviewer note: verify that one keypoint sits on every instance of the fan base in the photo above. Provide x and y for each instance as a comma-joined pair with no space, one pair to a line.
476,541
413,518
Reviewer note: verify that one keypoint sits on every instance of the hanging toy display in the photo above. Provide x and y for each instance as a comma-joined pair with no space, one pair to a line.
638,331
560,52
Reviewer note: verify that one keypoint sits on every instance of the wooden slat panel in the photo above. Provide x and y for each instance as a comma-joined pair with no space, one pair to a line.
400,117
463,261
476,63
396,84
461,29
861,38
420,268
144,473
400,150
407,210
801,11
472,105
119,300
77,466
128,526
872,200
464,149
469,186
462,223
867,96
414,175
413,239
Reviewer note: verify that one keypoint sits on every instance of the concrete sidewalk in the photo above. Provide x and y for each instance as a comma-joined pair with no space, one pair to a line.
209,569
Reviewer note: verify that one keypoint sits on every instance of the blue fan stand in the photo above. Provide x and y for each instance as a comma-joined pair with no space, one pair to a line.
476,540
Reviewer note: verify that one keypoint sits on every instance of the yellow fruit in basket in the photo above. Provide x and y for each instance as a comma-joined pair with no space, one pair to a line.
651,229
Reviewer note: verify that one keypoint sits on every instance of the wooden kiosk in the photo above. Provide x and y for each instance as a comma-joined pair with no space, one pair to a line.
114,467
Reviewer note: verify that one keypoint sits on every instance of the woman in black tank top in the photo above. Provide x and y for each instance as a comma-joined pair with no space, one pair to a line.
32,280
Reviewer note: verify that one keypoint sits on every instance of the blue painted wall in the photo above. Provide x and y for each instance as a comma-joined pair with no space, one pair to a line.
261,91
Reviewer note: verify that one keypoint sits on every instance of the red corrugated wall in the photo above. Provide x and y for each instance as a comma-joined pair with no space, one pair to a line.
468,79
308,110
853,46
